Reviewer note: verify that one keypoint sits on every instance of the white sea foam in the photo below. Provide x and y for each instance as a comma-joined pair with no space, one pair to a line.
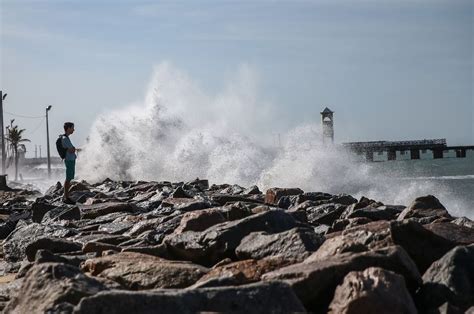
180,132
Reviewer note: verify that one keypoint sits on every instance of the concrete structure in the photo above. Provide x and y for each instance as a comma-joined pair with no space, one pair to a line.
328,125
402,150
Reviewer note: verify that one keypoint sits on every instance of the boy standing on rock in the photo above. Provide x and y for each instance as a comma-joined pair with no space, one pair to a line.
69,160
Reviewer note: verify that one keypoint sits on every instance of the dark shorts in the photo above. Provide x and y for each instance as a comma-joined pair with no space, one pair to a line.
70,169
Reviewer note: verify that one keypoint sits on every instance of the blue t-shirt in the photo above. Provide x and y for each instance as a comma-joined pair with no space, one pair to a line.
67,144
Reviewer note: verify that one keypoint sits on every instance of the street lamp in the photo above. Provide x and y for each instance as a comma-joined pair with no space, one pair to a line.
47,141
2,98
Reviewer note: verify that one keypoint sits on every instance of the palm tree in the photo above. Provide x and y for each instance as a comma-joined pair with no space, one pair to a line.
15,139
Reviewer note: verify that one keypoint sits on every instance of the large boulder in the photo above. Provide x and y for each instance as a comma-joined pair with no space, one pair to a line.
203,219
254,298
240,272
374,290
15,245
324,214
219,241
449,279
314,281
424,207
52,288
423,246
54,245
459,234
39,208
273,195
97,210
292,245
135,271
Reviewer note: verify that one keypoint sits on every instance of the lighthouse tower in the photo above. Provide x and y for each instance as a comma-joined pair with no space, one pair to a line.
328,125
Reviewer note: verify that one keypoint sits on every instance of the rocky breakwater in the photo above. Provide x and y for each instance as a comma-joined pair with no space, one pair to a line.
146,247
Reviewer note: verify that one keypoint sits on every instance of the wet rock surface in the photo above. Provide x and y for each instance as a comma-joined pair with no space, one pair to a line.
190,247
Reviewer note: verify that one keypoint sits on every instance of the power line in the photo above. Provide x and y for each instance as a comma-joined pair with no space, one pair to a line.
38,126
23,116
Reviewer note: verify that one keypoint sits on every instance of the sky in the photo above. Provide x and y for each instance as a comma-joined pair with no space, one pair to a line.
391,70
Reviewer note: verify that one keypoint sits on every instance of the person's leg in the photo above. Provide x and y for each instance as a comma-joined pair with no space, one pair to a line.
70,171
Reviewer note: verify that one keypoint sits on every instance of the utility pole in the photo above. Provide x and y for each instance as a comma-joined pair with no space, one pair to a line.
36,151
47,142
2,98
40,152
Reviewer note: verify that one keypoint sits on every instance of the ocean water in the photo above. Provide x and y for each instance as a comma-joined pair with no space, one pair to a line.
451,179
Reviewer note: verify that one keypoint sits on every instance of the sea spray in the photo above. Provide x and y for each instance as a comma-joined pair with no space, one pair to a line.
179,133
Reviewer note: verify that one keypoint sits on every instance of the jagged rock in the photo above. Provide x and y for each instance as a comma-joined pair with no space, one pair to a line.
239,273
179,193
61,213
341,224
220,241
232,190
324,214
292,245
137,271
314,281
201,185
144,225
39,208
50,287
45,256
252,190
96,210
449,279
423,246
424,207
185,204
460,235
343,199
16,243
253,298
54,245
273,195
373,290
313,196
224,199
99,247
79,186
385,212
463,221
54,189
203,219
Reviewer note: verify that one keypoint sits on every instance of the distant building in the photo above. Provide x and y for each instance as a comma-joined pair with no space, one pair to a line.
328,125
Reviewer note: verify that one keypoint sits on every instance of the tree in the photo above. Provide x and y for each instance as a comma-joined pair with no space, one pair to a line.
15,140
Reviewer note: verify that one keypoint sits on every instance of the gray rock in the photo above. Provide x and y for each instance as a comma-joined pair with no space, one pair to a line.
423,207
50,287
135,271
449,279
220,241
97,210
54,245
16,243
373,290
294,245
314,281
254,298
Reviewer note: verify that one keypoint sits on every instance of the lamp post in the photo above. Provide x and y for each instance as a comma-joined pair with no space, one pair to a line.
2,98
47,141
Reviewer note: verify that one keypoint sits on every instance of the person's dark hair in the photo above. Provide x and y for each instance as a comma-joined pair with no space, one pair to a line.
68,125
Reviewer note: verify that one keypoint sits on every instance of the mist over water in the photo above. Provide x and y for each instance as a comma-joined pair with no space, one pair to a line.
180,132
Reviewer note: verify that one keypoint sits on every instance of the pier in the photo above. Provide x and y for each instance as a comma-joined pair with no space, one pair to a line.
437,147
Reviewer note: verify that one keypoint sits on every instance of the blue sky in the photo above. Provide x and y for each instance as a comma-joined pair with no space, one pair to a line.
390,70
